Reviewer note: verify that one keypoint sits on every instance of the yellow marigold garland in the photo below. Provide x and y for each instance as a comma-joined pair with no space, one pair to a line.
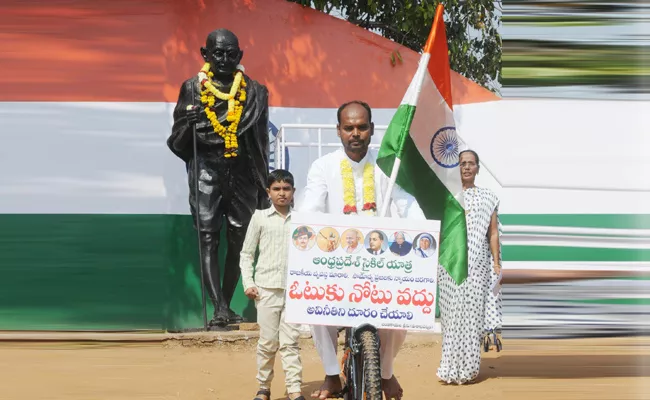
349,191
235,99
369,205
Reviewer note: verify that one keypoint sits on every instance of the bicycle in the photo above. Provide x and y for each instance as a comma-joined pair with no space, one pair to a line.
360,366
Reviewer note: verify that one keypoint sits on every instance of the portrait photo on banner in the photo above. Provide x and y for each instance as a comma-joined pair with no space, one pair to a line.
400,243
303,238
352,240
424,245
328,239
376,242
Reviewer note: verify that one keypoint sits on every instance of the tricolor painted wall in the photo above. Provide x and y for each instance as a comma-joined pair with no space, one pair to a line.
93,207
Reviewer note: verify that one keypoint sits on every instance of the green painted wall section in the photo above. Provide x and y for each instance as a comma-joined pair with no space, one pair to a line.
81,272
613,221
101,272
123,272
557,253
182,306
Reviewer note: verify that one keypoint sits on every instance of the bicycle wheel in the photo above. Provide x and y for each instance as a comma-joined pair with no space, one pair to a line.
371,371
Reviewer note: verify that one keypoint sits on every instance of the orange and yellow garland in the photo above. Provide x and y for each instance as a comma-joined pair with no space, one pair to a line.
349,191
235,99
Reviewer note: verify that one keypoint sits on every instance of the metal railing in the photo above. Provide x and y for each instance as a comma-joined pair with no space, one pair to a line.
281,143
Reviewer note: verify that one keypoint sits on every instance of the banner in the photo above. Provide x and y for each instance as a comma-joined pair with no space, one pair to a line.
349,270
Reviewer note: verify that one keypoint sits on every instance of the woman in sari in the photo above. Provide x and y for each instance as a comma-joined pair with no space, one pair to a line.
470,310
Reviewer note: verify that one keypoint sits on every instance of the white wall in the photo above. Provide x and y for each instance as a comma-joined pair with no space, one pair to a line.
550,156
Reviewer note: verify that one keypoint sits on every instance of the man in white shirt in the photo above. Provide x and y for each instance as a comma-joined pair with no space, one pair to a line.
325,193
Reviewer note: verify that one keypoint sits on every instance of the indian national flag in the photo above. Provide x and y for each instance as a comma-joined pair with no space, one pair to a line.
420,150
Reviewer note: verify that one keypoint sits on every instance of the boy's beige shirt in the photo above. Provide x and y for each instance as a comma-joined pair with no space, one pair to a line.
270,230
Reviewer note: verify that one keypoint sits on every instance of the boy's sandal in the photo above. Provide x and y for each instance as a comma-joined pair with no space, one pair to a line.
297,398
263,392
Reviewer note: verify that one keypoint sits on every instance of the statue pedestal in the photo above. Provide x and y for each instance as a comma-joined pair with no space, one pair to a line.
227,328
249,326
232,327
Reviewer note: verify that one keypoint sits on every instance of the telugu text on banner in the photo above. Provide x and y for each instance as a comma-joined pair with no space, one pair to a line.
349,270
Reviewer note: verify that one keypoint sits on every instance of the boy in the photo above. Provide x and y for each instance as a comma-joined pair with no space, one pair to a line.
269,229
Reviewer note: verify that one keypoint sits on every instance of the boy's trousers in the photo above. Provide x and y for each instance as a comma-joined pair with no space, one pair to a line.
276,336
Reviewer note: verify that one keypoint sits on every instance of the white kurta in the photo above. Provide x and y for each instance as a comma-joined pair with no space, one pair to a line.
324,193
324,190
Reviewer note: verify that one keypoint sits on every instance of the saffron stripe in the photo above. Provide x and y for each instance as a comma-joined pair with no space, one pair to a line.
139,51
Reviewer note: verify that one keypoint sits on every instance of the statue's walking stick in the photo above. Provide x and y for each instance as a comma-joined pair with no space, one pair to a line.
198,220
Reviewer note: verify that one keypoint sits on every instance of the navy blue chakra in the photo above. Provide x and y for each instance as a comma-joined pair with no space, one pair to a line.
444,147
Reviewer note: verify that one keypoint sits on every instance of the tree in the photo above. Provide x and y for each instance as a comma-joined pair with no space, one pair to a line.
472,29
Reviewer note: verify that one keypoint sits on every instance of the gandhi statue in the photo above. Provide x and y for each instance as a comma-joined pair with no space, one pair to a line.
230,112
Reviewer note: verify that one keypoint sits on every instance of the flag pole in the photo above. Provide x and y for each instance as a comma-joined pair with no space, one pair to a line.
421,70
391,186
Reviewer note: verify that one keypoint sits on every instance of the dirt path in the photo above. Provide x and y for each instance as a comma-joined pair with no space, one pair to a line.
569,369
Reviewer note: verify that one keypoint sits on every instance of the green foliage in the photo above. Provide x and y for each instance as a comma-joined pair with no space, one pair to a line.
472,29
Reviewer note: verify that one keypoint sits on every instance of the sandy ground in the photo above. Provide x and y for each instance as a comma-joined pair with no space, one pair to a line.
526,369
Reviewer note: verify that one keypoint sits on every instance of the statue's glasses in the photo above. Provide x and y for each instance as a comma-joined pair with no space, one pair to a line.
228,54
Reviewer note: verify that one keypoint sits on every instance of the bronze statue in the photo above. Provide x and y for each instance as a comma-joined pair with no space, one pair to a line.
230,114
